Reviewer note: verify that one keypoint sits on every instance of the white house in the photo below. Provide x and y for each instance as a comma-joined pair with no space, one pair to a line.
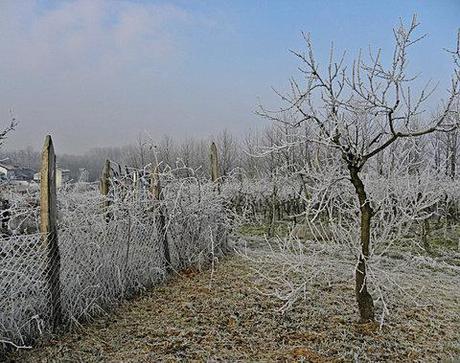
6,171
14,172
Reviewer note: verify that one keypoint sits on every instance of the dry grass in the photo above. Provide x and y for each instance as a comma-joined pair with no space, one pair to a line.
192,317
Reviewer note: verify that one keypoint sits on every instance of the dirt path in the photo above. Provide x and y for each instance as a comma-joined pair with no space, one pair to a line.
194,317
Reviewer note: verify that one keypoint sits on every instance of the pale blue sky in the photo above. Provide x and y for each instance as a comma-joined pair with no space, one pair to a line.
96,73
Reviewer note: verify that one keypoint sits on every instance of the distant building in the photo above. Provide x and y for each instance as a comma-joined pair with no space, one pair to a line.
14,172
6,171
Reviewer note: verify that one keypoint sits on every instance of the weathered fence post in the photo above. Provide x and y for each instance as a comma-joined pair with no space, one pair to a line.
214,166
155,190
48,228
135,183
155,187
104,188
4,215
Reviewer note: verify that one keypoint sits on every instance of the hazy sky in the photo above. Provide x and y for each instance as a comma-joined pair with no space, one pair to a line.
97,73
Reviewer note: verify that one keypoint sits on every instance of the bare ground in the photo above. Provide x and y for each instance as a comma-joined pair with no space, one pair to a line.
219,316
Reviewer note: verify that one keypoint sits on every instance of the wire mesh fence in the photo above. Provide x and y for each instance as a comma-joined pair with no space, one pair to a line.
110,247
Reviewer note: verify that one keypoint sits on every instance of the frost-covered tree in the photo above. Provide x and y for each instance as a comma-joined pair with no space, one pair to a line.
6,130
358,111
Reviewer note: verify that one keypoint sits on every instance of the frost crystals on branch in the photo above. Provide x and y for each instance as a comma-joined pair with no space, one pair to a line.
357,112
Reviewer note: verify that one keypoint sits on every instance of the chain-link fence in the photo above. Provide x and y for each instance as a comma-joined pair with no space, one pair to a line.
110,247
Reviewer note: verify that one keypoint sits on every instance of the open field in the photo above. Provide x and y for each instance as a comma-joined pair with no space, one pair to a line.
219,315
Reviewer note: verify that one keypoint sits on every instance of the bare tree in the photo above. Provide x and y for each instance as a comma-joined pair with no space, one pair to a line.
27,157
450,143
228,152
358,112
5,131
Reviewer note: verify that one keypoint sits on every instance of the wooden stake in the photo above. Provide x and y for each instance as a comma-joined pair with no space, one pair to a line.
155,189
48,228
215,166
105,177
105,188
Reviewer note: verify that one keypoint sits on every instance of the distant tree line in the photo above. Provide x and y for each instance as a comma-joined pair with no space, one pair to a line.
252,154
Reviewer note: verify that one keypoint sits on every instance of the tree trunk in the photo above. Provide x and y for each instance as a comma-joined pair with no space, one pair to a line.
363,298
425,234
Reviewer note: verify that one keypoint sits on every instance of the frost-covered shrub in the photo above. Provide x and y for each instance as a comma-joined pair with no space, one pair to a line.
111,247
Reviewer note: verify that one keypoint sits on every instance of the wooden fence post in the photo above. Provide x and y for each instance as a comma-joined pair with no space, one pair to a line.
155,190
48,228
104,188
135,183
155,187
214,165
4,215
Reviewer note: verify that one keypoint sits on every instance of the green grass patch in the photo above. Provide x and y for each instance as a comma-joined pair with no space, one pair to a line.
280,228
